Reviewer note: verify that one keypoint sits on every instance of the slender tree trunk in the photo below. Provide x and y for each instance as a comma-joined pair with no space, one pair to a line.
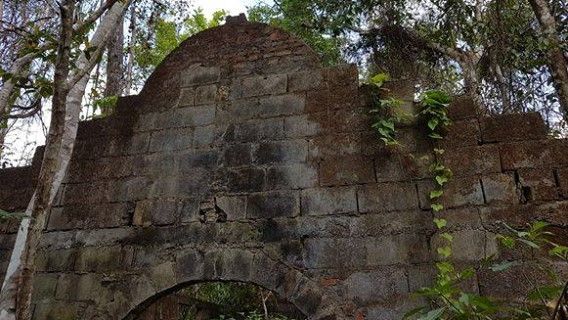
556,60
130,66
18,69
63,130
114,70
469,64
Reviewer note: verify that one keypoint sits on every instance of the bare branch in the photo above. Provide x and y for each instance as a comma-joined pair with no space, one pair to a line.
94,16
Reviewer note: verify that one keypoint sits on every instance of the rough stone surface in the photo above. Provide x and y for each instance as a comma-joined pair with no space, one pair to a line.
242,159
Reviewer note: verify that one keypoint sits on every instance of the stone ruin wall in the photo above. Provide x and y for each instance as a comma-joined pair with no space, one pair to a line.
243,159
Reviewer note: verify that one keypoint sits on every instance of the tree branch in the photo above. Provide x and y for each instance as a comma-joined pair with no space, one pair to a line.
94,16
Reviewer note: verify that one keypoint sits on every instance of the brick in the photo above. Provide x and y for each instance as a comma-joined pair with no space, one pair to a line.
500,188
513,127
328,201
346,170
273,204
291,176
281,152
205,94
367,287
304,80
396,249
472,160
333,253
199,75
387,197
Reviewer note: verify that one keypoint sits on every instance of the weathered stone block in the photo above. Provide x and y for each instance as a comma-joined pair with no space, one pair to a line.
187,97
51,310
93,259
472,160
198,159
462,133
246,180
457,193
328,201
205,94
274,106
238,155
534,154
540,184
88,216
346,170
171,140
396,249
193,184
196,116
301,126
44,286
468,245
273,204
260,85
304,80
155,212
365,287
256,130
199,75
233,206
281,152
350,120
206,137
56,260
79,287
387,197
291,176
333,253
513,127
462,107
500,187
189,210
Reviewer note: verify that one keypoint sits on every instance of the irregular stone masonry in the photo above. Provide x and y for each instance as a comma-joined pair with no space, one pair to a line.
243,159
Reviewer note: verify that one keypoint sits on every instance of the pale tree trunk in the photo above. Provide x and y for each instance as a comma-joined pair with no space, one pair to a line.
68,94
130,65
556,60
18,69
115,56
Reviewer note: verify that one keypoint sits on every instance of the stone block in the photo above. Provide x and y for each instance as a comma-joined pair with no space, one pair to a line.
56,260
462,133
291,176
341,75
562,177
501,188
255,130
472,160
260,85
399,167
468,245
344,97
205,94
304,80
462,107
44,286
386,197
199,75
189,210
281,105
164,188
346,170
513,127
354,143
540,184
88,216
328,201
273,204
281,152
198,159
365,287
206,137
193,184
155,212
79,287
94,259
246,179
171,140
300,126
187,97
233,206
238,155
396,249
202,115
349,120
459,192
333,253
55,310
534,154
396,222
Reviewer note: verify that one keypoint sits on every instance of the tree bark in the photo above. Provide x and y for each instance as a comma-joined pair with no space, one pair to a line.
556,60
68,92
114,70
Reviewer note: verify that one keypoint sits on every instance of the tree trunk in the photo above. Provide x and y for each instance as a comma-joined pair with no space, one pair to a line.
556,60
130,66
63,130
114,70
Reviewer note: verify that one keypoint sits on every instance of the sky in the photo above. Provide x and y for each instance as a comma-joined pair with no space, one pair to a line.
234,7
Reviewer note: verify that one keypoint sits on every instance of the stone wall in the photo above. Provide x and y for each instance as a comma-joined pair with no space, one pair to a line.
243,159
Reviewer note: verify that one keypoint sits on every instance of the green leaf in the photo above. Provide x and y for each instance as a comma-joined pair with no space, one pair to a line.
441,180
434,135
439,151
444,251
380,79
433,123
437,207
506,241
502,266
440,223
434,314
436,194
446,236
413,312
530,243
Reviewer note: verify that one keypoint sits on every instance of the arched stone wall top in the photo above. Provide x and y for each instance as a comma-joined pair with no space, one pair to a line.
237,48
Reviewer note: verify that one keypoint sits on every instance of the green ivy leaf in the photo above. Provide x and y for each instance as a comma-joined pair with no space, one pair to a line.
446,236
433,123
440,223
439,151
434,135
437,207
445,251
441,180
434,194
506,241
502,266
434,314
